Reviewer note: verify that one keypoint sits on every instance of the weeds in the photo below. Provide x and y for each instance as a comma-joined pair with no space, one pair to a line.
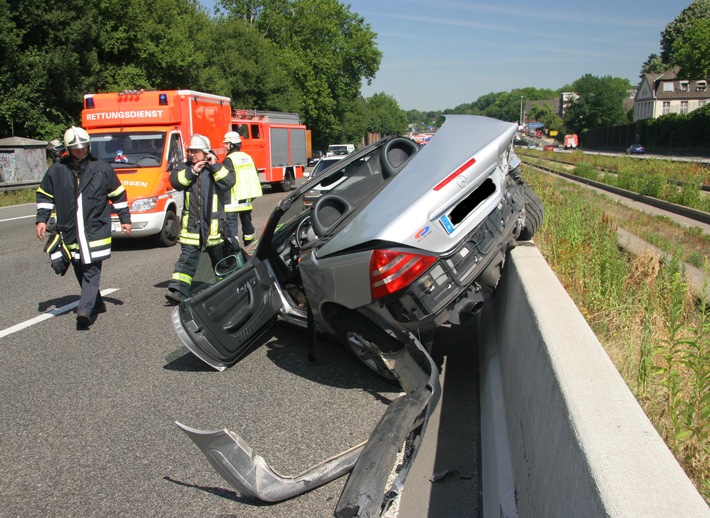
8,198
642,311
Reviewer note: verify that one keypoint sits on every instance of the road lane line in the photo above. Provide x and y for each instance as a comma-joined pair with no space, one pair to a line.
18,217
47,315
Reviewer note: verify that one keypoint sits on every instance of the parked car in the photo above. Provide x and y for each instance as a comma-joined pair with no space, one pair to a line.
402,239
636,149
315,156
549,147
323,164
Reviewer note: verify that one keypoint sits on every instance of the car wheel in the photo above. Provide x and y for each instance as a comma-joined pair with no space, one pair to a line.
364,340
171,230
287,183
533,214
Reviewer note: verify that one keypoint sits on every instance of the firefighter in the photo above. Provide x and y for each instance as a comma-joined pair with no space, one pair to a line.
82,190
246,188
206,184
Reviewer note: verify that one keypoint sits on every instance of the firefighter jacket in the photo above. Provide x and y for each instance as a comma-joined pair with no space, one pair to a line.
79,194
246,184
205,195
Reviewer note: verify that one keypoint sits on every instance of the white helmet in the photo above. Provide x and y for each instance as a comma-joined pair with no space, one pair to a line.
200,142
232,137
76,138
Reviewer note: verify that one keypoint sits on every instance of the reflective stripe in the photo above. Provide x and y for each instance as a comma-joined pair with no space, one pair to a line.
182,177
117,192
181,277
42,191
100,242
81,231
100,253
221,174
238,206
48,206
122,205
189,241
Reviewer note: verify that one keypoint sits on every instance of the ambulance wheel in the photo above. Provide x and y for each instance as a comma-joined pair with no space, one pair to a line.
171,230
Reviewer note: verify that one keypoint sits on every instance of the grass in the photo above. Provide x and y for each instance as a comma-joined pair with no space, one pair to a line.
640,307
8,198
656,178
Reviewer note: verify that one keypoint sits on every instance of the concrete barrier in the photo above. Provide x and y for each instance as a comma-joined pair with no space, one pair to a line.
563,436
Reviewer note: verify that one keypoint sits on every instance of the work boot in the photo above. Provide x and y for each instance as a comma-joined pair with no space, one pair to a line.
99,307
83,321
174,297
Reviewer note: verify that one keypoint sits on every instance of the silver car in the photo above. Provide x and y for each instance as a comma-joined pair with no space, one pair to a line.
402,239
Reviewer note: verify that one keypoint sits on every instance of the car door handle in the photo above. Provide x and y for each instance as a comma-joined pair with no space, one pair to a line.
242,314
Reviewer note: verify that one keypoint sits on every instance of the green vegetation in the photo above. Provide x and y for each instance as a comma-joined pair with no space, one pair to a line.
261,54
656,178
641,309
8,198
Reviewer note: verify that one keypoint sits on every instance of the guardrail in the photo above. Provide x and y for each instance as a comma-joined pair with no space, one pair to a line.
562,435
5,187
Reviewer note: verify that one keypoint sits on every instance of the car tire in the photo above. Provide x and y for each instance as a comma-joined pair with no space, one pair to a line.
171,230
533,214
361,337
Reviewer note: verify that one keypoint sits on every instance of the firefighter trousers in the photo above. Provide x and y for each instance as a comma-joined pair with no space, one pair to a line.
247,226
89,277
187,264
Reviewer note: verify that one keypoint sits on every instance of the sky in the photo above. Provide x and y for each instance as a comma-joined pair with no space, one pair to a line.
438,54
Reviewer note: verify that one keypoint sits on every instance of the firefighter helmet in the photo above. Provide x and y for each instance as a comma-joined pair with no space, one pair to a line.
232,137
76,138
199,142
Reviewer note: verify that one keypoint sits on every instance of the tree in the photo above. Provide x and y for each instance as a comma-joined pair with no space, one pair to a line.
697,10
385,116
248,68
653,65
600,103
330,51
545,114
692,50
55,51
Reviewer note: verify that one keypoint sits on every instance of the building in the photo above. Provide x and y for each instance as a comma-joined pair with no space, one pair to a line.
661,94
22,160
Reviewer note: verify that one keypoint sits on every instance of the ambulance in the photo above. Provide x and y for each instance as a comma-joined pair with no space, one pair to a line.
277,142
143,135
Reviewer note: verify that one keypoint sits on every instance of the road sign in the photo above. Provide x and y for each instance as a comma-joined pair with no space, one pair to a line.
535,125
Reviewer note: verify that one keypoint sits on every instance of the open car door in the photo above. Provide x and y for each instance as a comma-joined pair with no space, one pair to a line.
221,322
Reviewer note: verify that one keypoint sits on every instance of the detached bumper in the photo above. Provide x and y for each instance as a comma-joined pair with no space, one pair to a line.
371,462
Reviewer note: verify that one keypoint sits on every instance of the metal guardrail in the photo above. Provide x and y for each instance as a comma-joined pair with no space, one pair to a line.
6,187
694,214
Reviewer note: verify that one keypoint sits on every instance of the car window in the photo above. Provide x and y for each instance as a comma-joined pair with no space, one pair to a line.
341,180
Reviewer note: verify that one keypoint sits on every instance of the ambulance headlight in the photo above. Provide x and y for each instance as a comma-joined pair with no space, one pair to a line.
144,204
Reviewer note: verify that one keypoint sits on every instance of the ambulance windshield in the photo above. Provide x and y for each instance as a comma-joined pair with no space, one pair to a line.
129,149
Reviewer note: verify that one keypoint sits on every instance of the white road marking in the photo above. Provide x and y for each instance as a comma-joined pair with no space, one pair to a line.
18,217
47,315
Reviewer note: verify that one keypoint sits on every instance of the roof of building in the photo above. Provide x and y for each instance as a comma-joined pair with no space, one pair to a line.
21,142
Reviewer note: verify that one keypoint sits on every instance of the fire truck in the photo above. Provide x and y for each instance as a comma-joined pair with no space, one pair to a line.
277,142
143,135
571,141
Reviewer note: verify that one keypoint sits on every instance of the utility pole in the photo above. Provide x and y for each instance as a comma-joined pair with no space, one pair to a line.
520,119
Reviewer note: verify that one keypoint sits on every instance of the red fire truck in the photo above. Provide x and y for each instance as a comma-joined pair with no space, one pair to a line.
277,142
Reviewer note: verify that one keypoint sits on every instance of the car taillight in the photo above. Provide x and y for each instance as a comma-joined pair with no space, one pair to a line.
391,271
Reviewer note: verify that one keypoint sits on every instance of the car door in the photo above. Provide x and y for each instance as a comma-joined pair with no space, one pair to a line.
220,323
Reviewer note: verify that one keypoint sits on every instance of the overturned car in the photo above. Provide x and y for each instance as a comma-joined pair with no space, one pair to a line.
395,240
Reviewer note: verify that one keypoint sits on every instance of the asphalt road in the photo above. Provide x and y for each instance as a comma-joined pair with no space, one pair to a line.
88,416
